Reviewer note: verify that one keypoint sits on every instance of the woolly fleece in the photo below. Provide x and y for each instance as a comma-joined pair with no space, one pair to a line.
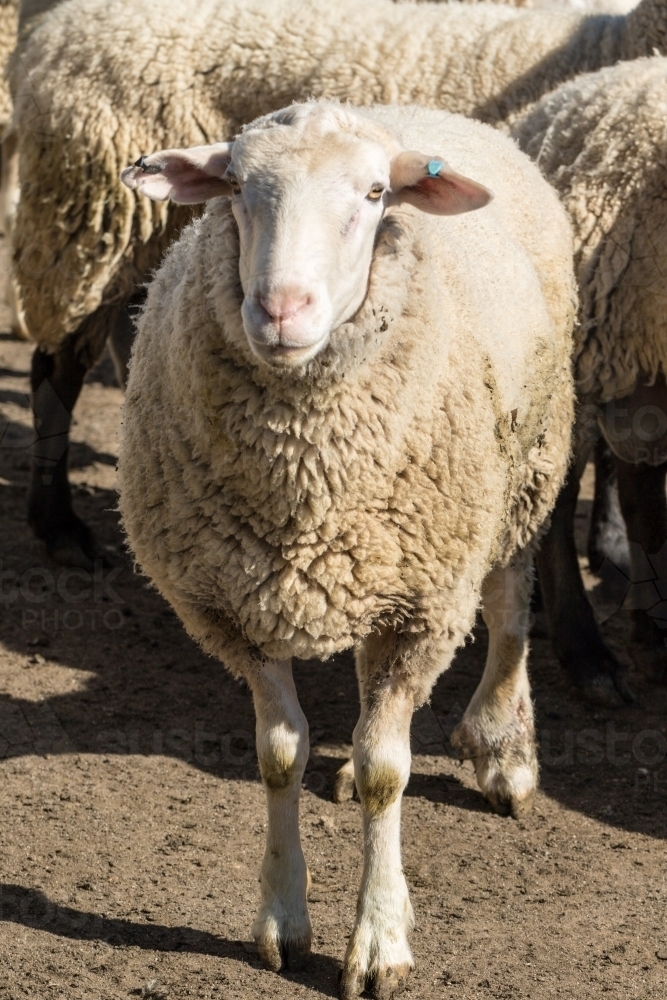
114,81
424,445
9,18
601,141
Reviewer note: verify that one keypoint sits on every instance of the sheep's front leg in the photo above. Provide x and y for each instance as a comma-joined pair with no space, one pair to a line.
282,928
497,731
378,952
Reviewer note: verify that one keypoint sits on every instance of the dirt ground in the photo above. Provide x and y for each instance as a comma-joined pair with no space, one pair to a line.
133,817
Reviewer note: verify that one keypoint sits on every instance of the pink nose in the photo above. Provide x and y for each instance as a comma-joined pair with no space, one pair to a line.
284,305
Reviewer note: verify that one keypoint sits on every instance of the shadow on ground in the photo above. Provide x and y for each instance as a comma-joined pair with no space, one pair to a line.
33,908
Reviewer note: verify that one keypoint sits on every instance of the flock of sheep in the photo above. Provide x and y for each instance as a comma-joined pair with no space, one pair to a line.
367,377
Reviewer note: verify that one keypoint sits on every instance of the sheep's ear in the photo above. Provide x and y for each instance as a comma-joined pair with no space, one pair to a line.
187,176
428,183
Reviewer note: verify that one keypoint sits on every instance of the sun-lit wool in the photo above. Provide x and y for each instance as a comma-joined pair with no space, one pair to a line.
8,25
103,83
600,140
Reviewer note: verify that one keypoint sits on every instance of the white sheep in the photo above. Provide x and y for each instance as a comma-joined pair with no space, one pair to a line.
17,18
601,142
8,28
113,80
346,421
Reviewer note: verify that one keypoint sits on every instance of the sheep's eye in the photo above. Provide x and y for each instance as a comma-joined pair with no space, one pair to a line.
375,192
233,182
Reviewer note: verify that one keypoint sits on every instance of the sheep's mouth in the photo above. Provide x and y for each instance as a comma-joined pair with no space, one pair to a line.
286,355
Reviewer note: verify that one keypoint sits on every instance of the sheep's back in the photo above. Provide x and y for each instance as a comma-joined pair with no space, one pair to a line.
601,141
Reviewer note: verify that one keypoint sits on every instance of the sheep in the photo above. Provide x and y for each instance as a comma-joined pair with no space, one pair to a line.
17,18
92,98
8,28
346,421
600,141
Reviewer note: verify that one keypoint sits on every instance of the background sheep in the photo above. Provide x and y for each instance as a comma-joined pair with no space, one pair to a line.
105,82
601,141
335,436
8,26
17,17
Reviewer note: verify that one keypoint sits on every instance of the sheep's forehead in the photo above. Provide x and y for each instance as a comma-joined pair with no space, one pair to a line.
288,152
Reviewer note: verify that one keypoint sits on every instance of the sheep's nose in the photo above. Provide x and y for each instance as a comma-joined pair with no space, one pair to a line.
284,305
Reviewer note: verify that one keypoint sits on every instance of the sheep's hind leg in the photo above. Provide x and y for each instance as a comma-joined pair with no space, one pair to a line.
497,731
607,537
642,496
282,927
590,665
56,381
378,953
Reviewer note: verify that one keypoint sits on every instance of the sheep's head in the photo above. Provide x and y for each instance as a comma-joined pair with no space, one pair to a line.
309,186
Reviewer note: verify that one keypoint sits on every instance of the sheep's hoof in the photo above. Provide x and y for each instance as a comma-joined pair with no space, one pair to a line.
344,787
69,542
647,649
607,689
505,803
276,953
66,551
510,796
505,765
598,677
383,984
378,956
283,941
651,661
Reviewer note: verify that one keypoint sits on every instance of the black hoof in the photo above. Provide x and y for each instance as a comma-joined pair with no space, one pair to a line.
651,663
599,680
70,543
606,690
66,551
647,648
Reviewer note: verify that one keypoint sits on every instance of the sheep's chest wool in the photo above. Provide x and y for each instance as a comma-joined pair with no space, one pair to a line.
309,509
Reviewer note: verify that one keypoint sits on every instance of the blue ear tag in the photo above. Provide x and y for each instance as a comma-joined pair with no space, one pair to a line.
433,167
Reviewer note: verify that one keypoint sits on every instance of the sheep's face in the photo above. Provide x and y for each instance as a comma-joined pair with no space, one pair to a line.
308,187
307,232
